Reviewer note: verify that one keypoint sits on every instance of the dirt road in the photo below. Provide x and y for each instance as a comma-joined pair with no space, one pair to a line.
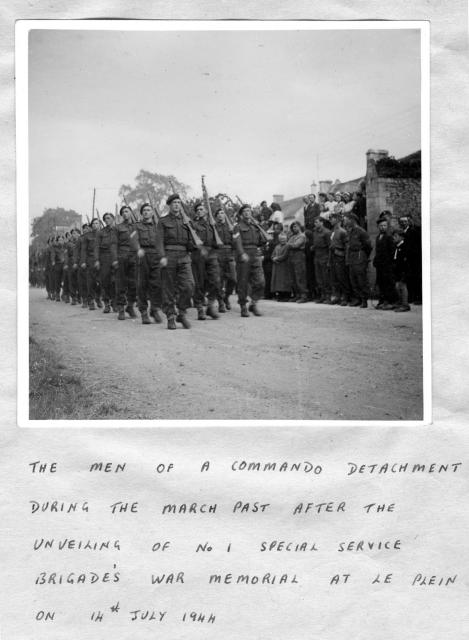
297,362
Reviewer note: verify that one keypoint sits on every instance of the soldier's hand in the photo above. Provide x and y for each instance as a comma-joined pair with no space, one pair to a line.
203,252
75,266
83,265
115,264
244,257
163,262
141,253
96,264
65,266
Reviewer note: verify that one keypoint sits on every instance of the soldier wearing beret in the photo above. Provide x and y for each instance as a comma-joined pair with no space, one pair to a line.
177,279
148,247
247,239
103,262
205,267
357,254
88,265
125,256
226,261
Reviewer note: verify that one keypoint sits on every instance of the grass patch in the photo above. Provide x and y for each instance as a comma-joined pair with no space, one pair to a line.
55,393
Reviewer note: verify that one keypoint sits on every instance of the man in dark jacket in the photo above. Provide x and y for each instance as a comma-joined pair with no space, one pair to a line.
383,263
357,253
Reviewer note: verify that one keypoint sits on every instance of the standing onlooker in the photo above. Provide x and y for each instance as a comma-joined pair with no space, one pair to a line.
413,240
401,270
281,279
321,244
341,289
383,263
356,258
277,213
311,211
360,209
296,259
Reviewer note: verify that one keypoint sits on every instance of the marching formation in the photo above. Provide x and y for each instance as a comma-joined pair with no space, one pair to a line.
160,264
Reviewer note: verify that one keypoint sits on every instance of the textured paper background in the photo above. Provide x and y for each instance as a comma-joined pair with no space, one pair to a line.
433,510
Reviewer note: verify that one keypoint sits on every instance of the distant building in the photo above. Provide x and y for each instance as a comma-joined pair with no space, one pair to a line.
389,184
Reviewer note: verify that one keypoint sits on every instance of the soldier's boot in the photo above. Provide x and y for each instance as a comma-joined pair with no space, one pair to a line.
91,306
172,322
67,299
99,304
84,304
221,306
183,319
131,311
121,314
301,300
201,314
74,301
156,316
253,309
107,308
145,317
227,303
244,311
57,297
364,305
211,312
114,307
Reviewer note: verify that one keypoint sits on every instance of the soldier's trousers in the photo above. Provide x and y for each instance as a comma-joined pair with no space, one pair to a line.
297,262
386,284
149,282
49,279
81,279
72,277
177,282
250,276
92,284
126,279
311,283
340,278
359,280
58,275
106,278
227,266
206,272
321,271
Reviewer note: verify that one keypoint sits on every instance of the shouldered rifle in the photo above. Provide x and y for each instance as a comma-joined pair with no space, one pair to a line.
187,221
99,219
133,216
157,217
211,220
228,219
253,221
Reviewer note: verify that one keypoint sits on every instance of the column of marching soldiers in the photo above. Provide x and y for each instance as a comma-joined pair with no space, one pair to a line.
160,264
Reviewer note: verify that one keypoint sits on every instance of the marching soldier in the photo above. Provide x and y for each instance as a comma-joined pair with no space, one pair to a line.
175,245
88,265
58,259
72,275
125,259
226,261
80,273
103,262
205,267
356,257
145,240
247,239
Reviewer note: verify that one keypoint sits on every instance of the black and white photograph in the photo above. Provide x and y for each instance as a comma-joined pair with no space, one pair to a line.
223,221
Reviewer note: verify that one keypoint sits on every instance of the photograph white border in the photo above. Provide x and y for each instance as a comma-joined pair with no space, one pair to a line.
22,163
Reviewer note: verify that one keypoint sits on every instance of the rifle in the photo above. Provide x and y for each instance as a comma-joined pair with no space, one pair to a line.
133,216
87,219
187,221
254,222
211,220
99,219
156,218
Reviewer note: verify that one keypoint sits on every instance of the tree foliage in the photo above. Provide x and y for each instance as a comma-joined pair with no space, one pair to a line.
151,185
51,222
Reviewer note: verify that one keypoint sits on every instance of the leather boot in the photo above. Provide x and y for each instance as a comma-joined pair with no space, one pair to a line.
84,305
121,315
244,311
171,322
131,311
221,307
183,319
107,308
99,304
253,309
74,302
211,311
227,303
91,306
156,316
145,318
201,314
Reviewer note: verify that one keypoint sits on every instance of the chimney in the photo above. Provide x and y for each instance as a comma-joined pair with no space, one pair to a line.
325,186
278,198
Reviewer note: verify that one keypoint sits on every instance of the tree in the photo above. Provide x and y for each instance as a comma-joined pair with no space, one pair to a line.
51,222
155,185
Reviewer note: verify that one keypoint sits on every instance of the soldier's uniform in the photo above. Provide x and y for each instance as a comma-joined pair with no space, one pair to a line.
205,269
145,236
250,275
178,281
227,265
356,258
58,259
102,253
49,270
126,275
80,273
88,258
71,273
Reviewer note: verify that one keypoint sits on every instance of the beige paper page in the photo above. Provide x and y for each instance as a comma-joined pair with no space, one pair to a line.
254,533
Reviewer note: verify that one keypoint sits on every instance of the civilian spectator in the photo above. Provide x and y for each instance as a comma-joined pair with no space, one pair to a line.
383,263
281,283
400,265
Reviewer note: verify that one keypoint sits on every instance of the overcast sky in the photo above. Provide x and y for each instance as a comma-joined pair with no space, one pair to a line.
255,111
